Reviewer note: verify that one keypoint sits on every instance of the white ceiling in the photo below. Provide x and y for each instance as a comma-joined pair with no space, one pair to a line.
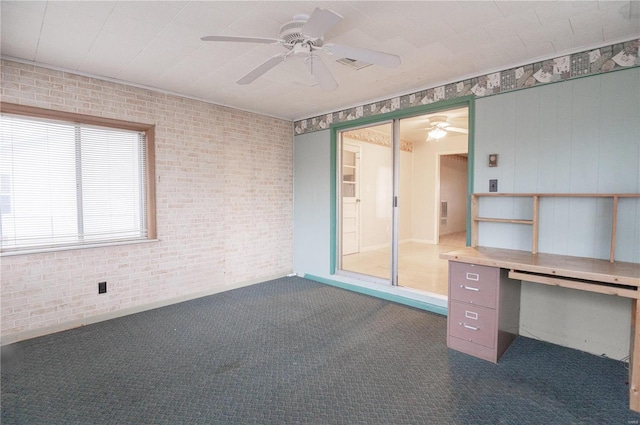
157,44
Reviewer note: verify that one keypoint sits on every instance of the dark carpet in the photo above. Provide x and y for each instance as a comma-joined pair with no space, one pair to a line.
294,351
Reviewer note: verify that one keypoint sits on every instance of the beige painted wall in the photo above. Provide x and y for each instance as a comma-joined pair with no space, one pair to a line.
224,208
453,189
425,179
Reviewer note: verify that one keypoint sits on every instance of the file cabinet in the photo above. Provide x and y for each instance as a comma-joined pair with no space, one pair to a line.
484,310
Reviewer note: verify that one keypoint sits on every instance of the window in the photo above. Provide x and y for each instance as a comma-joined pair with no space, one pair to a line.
73,180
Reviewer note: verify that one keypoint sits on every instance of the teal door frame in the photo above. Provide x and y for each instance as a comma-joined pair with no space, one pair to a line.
468,101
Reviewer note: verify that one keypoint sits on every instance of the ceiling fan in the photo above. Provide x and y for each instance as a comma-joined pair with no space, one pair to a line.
440,127
303,36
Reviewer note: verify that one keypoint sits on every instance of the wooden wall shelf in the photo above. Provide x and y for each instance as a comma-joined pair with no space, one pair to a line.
534,222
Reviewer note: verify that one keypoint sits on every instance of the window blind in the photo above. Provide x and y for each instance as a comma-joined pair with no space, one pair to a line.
64,183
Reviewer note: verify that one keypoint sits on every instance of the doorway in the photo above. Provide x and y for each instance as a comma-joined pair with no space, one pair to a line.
400,180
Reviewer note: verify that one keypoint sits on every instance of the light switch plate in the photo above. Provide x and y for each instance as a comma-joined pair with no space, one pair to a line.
493,185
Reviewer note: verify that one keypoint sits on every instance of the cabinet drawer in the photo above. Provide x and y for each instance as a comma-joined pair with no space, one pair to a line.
473,284
472,323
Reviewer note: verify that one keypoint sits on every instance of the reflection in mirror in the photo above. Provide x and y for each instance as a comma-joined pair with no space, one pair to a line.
433,173
365,200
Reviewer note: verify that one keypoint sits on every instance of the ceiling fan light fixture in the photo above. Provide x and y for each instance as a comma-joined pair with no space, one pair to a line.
437,133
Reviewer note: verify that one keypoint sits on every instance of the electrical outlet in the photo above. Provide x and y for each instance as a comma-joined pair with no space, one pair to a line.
102,287
493,185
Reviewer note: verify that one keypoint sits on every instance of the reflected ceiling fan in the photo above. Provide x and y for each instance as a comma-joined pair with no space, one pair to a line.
303,37
439,127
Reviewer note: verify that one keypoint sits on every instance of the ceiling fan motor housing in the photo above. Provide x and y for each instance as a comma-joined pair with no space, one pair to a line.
290,33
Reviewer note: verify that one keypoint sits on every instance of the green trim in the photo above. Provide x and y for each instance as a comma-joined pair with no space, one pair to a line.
333,189
470,163
380,294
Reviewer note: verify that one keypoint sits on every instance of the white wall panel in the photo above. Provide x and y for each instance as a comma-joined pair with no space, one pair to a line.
525,143
581,227
554,221
311,201
585,133
559,108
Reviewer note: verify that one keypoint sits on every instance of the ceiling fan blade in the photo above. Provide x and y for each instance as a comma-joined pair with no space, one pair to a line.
320,21
262,40
458,130
365,55
321,73
261,69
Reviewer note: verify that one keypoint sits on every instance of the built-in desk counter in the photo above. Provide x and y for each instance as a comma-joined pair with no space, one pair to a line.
585,274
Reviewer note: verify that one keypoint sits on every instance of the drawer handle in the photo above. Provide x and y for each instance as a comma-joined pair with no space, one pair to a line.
470,288
473,276
471,328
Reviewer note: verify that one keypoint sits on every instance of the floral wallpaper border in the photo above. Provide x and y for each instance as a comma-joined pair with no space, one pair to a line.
591,62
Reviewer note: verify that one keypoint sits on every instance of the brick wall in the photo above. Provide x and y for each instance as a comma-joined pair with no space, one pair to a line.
224,185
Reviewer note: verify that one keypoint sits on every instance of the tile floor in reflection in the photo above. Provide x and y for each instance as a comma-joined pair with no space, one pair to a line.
419,264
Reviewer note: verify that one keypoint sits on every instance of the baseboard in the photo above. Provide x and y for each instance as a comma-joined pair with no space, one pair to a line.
34,333
424,241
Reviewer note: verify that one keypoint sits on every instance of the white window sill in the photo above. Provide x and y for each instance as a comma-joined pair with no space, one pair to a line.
37,250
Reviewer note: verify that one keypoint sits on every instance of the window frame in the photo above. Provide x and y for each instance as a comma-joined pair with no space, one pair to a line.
71,117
